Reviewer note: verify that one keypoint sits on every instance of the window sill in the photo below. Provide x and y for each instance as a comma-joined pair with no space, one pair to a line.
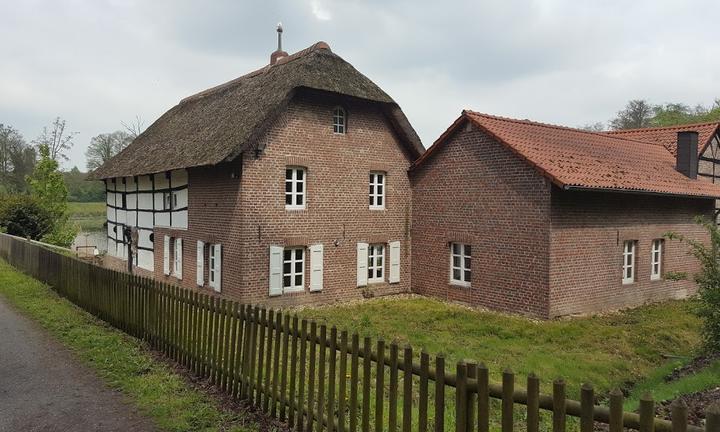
372,208
293,208
625,282
375,282
458,284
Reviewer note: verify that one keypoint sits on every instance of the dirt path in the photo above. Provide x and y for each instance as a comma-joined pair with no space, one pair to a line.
44,388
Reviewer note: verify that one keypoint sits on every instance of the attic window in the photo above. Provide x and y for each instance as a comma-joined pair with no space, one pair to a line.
339,121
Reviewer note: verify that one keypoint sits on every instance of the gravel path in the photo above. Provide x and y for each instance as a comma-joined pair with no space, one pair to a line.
43,387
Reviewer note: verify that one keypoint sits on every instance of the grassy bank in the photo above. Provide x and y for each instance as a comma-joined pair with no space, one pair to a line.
123,362
89,216
615,350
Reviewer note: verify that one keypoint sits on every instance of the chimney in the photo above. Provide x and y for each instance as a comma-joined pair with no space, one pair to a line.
279,53
687,153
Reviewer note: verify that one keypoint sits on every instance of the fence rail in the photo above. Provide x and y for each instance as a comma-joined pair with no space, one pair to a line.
315,378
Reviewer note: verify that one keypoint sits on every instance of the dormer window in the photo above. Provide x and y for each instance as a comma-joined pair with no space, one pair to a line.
339,120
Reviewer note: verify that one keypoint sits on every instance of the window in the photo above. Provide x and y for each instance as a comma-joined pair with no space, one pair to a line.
460,264
339,120
656,259
293,269
377,191
376,263
629,261
295,188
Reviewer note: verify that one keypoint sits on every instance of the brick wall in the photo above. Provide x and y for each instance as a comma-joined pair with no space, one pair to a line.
248,215
476,191
588,231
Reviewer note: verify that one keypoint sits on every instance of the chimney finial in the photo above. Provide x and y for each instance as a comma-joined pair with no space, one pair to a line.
279,53
279,32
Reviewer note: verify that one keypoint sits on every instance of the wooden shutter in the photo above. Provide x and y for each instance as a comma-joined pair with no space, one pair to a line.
394,262
178,258
316,267
276,266
362,258
200,270
217,268
166,255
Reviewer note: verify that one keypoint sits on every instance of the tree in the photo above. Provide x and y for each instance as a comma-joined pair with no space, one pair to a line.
48,188
636,114
82,190
708,281
56,139
23,216
594,127
105,146
135,127
16,160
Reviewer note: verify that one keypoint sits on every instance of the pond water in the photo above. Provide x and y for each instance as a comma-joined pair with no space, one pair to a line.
91,238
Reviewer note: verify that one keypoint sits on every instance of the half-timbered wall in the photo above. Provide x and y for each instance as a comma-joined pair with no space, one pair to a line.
709,168
145,202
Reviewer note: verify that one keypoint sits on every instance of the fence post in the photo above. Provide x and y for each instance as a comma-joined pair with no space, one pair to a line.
559,405
379,385
483,415
461,398
647,413
679,415
533,403
587,407
439,393
712,418
423,403
508,389
616,411
393,388
407,388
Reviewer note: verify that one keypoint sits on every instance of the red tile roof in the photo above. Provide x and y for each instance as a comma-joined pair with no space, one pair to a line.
578,159
667,136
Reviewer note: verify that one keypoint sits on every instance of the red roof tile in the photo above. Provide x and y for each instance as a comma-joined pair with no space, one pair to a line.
667,136
578,159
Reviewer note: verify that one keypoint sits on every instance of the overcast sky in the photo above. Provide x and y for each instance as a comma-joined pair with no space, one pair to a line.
96,63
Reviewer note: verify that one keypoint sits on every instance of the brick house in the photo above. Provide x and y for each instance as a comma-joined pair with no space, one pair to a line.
547,221
288,185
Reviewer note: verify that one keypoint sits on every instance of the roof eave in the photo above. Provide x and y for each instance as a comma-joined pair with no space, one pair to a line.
577,188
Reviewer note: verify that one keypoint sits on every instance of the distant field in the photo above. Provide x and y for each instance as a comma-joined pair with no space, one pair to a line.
90,216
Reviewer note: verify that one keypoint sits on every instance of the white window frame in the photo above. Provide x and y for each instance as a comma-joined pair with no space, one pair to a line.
462,254
293,193
377,179
376,261
628,267
293,261
339,121
656,255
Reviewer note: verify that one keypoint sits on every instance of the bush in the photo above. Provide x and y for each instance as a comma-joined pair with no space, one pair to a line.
708,281
23,216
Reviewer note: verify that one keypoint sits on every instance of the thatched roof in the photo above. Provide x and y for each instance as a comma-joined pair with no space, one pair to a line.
217,124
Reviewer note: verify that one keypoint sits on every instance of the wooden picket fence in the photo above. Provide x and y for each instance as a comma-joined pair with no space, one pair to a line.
315,378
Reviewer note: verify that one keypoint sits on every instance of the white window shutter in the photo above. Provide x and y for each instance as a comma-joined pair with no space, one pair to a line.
394,262
200,269
216,284
276,267
362,259
166,255
316,267
178,258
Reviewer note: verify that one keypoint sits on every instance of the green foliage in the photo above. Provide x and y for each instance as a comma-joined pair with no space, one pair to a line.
640,114
47,186
23,216
636,114
17,160
708,281
675,276
120,360
82,190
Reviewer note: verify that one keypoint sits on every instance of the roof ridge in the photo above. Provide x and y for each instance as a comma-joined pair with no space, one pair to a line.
658,128
281,61
554,126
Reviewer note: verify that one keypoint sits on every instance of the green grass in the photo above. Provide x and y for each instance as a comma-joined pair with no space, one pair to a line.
655,383
89,216
608,351
122,361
